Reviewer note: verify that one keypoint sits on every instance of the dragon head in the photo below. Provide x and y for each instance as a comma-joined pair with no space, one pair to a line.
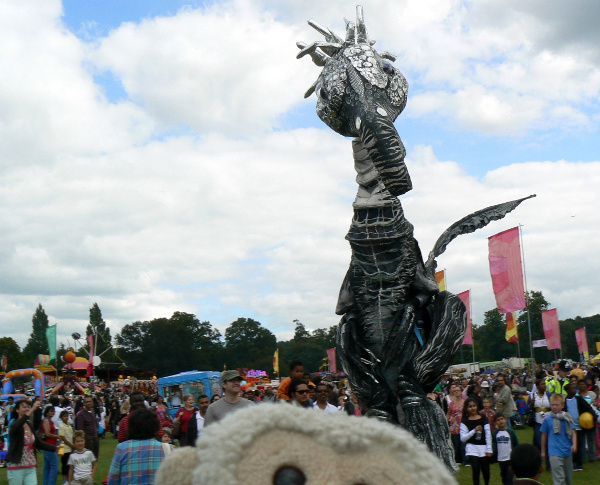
357,82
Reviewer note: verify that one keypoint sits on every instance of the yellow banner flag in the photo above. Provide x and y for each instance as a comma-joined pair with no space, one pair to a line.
440,277
511,328
276,362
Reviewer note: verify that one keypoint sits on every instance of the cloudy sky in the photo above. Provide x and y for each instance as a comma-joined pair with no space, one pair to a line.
159,156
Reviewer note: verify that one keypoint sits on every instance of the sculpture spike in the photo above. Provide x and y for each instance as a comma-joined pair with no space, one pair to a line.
387,55
361,30
350,33
335,37
310,90
317,56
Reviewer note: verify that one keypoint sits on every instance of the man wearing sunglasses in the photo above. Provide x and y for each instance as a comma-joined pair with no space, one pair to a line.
299,393
322,396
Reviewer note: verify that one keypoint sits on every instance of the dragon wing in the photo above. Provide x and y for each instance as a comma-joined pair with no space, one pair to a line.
469,224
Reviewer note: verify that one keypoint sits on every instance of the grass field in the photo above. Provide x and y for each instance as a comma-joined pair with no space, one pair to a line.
589,476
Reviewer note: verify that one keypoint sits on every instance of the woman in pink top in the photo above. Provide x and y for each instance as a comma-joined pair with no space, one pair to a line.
163,413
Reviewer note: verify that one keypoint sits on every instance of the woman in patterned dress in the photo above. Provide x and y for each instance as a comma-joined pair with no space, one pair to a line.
454,417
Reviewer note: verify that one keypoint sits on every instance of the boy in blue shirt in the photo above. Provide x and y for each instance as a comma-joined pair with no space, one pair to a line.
558,433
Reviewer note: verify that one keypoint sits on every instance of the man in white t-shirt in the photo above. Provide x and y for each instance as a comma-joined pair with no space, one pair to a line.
321,403
203,403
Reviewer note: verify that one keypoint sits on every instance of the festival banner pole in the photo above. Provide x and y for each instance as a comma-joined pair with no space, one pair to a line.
526,296
471,312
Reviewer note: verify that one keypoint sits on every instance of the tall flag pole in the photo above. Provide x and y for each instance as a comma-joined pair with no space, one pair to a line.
506,269
471,312
526,293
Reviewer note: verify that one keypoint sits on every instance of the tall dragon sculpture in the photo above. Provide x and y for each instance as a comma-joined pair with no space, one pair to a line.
398,333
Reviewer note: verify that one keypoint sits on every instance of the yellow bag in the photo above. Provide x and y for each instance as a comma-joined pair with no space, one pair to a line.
60,451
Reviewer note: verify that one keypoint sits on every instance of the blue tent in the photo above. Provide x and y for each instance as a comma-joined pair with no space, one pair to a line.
173,388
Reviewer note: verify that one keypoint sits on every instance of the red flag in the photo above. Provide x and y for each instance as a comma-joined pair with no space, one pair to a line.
332,361
465,296
511,328
506,270
581,338
551,328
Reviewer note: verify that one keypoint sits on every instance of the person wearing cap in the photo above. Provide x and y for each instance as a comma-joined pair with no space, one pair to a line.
556,385
486,390
230,402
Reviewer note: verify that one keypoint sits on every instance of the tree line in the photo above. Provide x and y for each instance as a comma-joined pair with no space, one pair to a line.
182,342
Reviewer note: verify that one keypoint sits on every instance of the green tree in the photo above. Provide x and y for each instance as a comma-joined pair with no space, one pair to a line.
15,358
37,343
169,346
567,332
300,332
490,338
98,325
249,344
309,347
206,340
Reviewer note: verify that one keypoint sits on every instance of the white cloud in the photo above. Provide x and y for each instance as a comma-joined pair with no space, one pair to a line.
229,68
234,219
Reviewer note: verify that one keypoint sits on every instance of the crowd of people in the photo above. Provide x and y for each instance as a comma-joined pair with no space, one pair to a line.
482,413
561,405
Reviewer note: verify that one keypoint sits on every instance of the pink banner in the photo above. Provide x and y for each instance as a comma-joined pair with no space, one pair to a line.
465,296
551,328
332,362
581,338
506,270
90,367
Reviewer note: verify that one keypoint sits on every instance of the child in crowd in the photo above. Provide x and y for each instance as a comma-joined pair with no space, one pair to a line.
475,432
522,408
166,439
560,439
488,412
526,465
575,405
83,463
65,431
596,406
3,449
504,441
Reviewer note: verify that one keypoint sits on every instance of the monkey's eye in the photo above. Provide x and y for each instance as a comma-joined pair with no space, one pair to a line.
289,475
388,68
323,94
